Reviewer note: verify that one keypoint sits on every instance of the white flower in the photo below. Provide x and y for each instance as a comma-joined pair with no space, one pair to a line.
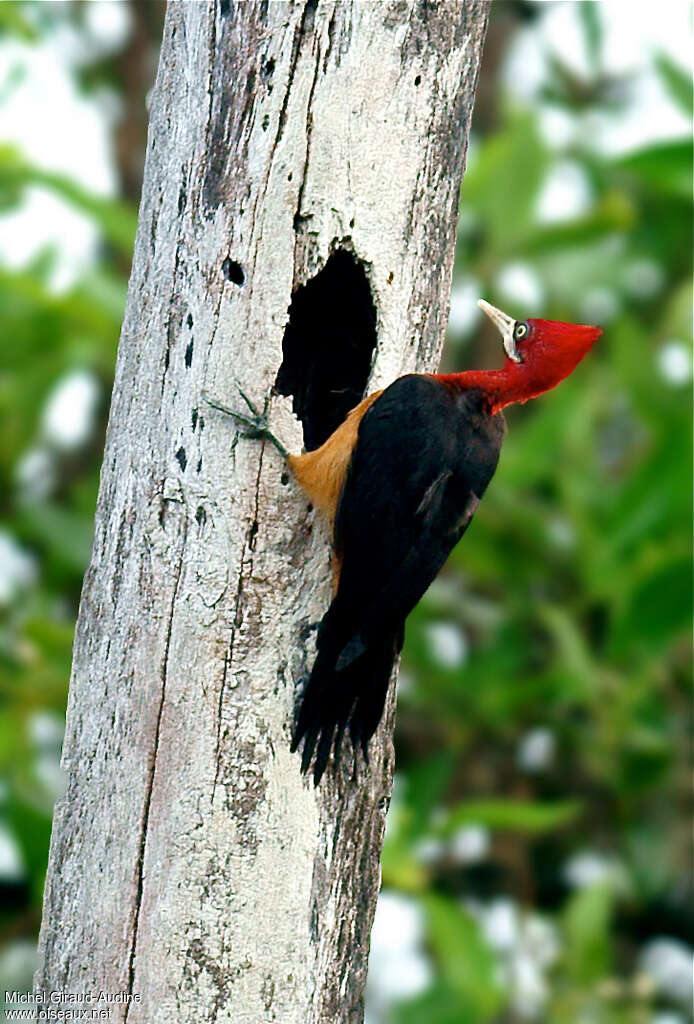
675,363
565,194
11,860
50,774
561,533
528,986
643,278
541,939
519,283
109,26
447,643
526,945
18,961
46,729
500,924
669,963
35,473
398,968
429,850
406,682
18,569
68,419
469,844
465,313
589,867
599,306
536,749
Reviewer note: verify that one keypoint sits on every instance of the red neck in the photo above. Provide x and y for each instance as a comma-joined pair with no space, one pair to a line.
502,387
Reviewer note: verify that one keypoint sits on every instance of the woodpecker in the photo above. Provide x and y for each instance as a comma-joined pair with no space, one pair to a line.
399,482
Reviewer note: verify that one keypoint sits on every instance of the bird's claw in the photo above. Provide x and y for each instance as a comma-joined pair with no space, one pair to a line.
259,416
254,427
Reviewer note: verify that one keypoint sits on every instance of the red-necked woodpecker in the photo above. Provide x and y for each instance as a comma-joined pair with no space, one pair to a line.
399,481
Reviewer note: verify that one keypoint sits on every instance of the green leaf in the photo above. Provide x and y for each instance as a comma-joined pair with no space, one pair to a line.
116,219
440,1004
14,22
615,213
503,183
660,606
587,920
663,168
426,782
466,963
677,81
32,829
589,14
514,815
66,537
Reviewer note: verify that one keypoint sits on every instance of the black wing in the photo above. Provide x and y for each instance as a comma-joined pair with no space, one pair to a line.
423,458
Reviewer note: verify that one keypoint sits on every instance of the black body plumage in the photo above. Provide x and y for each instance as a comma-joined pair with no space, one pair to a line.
424,456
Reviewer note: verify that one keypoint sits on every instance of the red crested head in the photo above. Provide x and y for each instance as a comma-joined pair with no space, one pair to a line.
551,350
541,353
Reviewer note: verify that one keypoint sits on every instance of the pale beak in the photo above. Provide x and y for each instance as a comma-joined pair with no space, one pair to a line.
506,325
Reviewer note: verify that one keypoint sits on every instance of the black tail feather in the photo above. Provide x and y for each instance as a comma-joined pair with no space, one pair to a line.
350,698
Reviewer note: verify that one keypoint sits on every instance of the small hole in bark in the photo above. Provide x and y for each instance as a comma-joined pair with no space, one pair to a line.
290,176
189,354
351,223
252,534
200,516
328,346
266,122
418,79
224,7
390,277
284,479
182,458
233,271
189,320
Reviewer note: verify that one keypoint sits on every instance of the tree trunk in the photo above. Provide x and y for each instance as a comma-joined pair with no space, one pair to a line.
192,867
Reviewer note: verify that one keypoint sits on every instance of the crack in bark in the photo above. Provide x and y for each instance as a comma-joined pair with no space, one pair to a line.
152,772
306,17
309,130
248,545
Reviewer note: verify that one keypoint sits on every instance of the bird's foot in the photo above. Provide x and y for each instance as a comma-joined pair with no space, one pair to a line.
253,424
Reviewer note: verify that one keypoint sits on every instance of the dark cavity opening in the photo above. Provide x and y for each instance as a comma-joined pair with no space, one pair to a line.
233,271
328,346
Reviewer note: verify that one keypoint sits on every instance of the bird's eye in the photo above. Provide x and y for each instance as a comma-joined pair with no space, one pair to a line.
520,331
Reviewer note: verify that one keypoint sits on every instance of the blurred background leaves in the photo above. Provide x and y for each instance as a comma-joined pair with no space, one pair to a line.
537,859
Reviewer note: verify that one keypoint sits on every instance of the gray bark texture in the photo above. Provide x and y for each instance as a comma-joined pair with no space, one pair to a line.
191,864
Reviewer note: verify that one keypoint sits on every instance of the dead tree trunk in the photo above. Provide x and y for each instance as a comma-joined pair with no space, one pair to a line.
316,144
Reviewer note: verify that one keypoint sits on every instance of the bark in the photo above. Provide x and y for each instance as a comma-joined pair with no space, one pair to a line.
191,864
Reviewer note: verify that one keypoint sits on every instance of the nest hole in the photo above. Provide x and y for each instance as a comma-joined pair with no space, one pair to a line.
328,346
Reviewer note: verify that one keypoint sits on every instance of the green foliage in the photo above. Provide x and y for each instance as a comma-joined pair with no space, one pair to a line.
466,965
572,587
